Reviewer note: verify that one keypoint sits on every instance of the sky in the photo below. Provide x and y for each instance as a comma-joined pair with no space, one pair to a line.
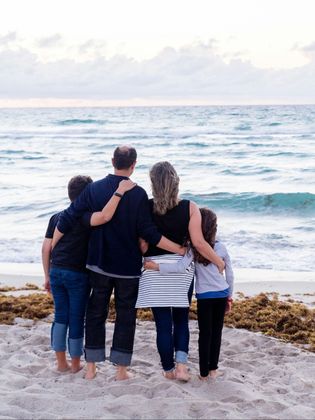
150,52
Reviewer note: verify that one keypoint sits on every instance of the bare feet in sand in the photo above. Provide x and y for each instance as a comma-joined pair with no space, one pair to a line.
122,374
90,371
181,372
76,365
63,368
169,374
62,364
213,374
203,378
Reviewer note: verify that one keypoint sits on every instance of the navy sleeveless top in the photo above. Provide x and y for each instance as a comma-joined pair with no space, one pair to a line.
173,225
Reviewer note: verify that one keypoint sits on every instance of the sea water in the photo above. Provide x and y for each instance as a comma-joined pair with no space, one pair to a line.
253,165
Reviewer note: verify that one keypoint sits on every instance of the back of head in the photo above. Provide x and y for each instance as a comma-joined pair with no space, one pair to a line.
124,157
77,184
209,230
165,182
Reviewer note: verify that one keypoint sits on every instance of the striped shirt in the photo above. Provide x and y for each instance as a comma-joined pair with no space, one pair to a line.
164,290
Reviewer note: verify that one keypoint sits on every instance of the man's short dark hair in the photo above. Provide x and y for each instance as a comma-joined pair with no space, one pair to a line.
124,157
77,184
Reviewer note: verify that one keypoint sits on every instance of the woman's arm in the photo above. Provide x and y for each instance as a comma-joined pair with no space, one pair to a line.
171,246
46,251
198,240
104,216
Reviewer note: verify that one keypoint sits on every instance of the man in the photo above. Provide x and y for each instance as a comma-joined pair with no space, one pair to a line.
114,260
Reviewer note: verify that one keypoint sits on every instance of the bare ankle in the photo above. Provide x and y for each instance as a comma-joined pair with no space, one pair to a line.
90,370
62,364
76,364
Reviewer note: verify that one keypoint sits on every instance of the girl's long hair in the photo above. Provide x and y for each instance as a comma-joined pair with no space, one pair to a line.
164,181
209,230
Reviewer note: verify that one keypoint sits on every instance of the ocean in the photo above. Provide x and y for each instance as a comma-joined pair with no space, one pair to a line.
253,165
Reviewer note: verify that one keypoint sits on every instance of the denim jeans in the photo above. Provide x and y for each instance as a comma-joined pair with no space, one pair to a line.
172,334
125,294
70,290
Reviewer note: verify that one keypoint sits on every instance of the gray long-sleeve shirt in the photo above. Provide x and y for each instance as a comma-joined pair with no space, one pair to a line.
208,277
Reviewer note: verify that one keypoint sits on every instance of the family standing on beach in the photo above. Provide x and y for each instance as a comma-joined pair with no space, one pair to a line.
112,238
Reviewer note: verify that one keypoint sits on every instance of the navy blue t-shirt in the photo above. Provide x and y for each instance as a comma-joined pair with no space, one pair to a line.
71,251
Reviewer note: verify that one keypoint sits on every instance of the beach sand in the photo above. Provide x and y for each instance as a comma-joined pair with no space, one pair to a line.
263,378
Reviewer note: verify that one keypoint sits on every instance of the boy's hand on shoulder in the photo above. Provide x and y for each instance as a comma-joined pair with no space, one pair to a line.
125,185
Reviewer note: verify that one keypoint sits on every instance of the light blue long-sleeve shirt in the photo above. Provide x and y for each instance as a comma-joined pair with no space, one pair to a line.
208,277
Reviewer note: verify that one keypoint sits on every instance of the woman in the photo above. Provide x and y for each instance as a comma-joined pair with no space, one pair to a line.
169,295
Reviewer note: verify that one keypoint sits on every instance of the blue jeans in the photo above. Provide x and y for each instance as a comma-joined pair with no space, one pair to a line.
70,290
172,334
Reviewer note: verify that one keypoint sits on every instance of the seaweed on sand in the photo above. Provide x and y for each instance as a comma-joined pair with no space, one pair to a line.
289,321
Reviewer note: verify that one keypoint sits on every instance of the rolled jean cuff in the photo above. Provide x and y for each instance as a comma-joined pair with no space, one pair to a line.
58,336
181,356
75,346
94,355
120,358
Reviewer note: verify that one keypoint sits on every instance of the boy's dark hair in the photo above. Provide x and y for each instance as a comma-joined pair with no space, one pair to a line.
209,230
77,184
124,157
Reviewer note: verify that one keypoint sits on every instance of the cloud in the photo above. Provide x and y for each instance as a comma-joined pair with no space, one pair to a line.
91,46
49,41
9,37
193,73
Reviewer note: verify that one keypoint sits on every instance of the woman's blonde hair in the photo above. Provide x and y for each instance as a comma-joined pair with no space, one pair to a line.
164,181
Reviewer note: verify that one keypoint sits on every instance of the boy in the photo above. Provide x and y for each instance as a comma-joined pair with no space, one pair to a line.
66,275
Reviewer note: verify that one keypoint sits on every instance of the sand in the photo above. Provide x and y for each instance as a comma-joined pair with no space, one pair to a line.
263,378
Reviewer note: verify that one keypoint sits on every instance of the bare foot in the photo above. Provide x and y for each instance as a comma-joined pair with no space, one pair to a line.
203,378
76,365
122,374
169,375
215,373
75,369
62,364
90,371
181,372
63,368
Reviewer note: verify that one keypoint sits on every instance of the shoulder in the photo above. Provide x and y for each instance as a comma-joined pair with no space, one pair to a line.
52,224
54,218
184,203
139,192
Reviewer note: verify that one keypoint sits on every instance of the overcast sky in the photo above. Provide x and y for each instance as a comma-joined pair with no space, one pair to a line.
156,52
